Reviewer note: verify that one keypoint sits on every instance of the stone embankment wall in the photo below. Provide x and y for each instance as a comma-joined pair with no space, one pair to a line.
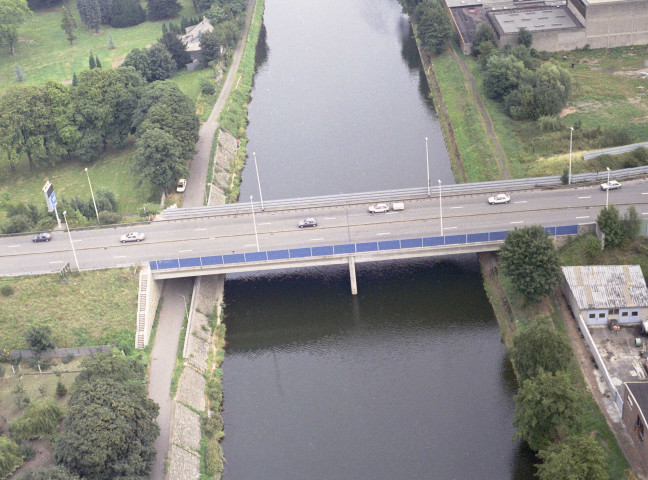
225,154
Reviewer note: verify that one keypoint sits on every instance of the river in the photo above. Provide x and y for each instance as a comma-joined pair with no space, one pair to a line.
409,379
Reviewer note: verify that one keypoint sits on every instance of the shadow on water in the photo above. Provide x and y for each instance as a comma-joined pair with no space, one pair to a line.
262,51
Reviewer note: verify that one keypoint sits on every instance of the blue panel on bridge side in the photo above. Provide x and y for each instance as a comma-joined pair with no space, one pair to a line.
168,263
256,257
412,243
190,262
567,230
389,245
153,265
550,230
234,258
477,237
455,239
212,260
367,247
300,252
278,254
317,251
432,241
497,235
345,248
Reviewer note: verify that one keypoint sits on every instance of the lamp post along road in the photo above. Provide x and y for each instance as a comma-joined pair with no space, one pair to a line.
93,199
258,179
571,133
427,164
76,260
256,235
607,190
440,208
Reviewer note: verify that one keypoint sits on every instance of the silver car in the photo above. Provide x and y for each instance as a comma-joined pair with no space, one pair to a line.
132,237
499,198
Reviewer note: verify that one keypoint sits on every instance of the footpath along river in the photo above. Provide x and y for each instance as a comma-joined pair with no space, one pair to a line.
408,379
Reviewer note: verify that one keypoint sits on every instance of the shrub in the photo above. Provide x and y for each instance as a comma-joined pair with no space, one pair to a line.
207,86
614,137
17,224
10,458
591,247
4,355
39,338
7,290
27,451
61,389
150,209
641,154
109,218
564,178
550,124
127,13
40,420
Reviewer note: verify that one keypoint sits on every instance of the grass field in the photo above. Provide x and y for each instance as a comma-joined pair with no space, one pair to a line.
94,308
43,53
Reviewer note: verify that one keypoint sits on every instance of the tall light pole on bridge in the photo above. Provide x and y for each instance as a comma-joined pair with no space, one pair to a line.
571,133
607,190
256,235
440,208
427,164
92,193
258,179
76,260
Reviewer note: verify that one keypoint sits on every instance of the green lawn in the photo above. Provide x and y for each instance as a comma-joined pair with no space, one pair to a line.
43,53
94,308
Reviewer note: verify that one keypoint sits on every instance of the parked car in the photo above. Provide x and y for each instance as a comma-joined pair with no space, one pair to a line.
182,185
379,208
132,237
308,222
499,198
42,237
612,185
398,206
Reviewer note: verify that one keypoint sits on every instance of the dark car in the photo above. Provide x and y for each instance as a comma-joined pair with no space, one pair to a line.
42,237
308,222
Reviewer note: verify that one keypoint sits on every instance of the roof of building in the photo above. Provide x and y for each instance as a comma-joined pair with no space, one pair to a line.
639,391
192,35
534,20
607,286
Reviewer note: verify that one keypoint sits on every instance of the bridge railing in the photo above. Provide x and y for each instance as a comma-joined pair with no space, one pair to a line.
345,249
401,194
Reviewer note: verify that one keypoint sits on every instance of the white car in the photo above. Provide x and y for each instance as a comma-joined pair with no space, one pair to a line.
379,208
182,185
612,185
499,198
132,237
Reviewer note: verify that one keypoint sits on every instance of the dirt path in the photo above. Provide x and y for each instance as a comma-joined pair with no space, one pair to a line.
485,117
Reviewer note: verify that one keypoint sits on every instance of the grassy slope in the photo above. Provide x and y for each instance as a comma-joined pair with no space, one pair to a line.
91,309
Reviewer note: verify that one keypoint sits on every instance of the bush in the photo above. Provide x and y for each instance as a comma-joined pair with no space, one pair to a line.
7,290
10,458
17,224
591,247
68,358
109,218
614,137
641,154
207,86
550,124
39,338
150,209
27,451
40,420
61,389
127,13
564,178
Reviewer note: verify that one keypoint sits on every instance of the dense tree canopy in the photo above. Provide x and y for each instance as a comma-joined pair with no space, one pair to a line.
12,14
68,24
39,338
159,9
49,473
177,49
110,426
153,63
126,13
529,257
525,37
579,457
540,348
433,27
484,33
546,406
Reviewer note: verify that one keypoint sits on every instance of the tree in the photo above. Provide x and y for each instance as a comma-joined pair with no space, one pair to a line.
19,73
161,64
10,458
111,43
61,389
525,37
609,221
75,80
484,33
529,257
49,473
540,348
12,14
139,60
177,49
110,426
552,89
159,158
91,61
503,75
39,338
210,45
546,406
434,28
579,457
68,24
126,13
631,224
97,62
159,9
90,13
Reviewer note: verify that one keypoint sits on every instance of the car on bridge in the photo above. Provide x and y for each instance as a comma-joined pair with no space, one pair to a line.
308,222
379,208
611,185
42,237
132,237
499,198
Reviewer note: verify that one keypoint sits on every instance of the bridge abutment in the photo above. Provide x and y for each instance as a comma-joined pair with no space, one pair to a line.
352,275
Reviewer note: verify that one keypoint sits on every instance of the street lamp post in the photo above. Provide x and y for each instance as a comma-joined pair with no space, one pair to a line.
258,179
76,260
607,190
256,235
440,208
92,193
427,164
571,133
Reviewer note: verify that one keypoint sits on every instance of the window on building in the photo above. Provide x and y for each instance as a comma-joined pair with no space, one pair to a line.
601,315
613,311
639,428
592,315
635,314
624,314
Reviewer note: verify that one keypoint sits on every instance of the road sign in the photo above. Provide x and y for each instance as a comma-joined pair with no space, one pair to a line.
50,197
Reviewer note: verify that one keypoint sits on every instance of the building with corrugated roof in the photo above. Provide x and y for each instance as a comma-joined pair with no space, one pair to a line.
191,40
601,293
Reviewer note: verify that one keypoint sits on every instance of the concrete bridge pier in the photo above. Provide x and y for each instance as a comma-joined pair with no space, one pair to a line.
352,274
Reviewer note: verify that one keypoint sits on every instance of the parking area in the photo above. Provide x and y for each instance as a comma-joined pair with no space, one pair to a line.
624,357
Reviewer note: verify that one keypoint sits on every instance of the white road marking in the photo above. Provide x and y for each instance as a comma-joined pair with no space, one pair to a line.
521,201
330,218
184,251
589,196
120,256
317,239
264,223
200,229
13,246
76,241
519,221
383,233
58,261
450,228
644,193
451,208
584,216
212,238
250,245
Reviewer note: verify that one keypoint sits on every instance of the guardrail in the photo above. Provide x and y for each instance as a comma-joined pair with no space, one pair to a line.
344,249
615,150
394,195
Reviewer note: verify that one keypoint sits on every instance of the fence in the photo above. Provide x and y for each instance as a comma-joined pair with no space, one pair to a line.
346,249
61,352
615,150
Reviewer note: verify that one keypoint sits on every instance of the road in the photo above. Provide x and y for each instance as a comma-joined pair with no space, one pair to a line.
191,237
